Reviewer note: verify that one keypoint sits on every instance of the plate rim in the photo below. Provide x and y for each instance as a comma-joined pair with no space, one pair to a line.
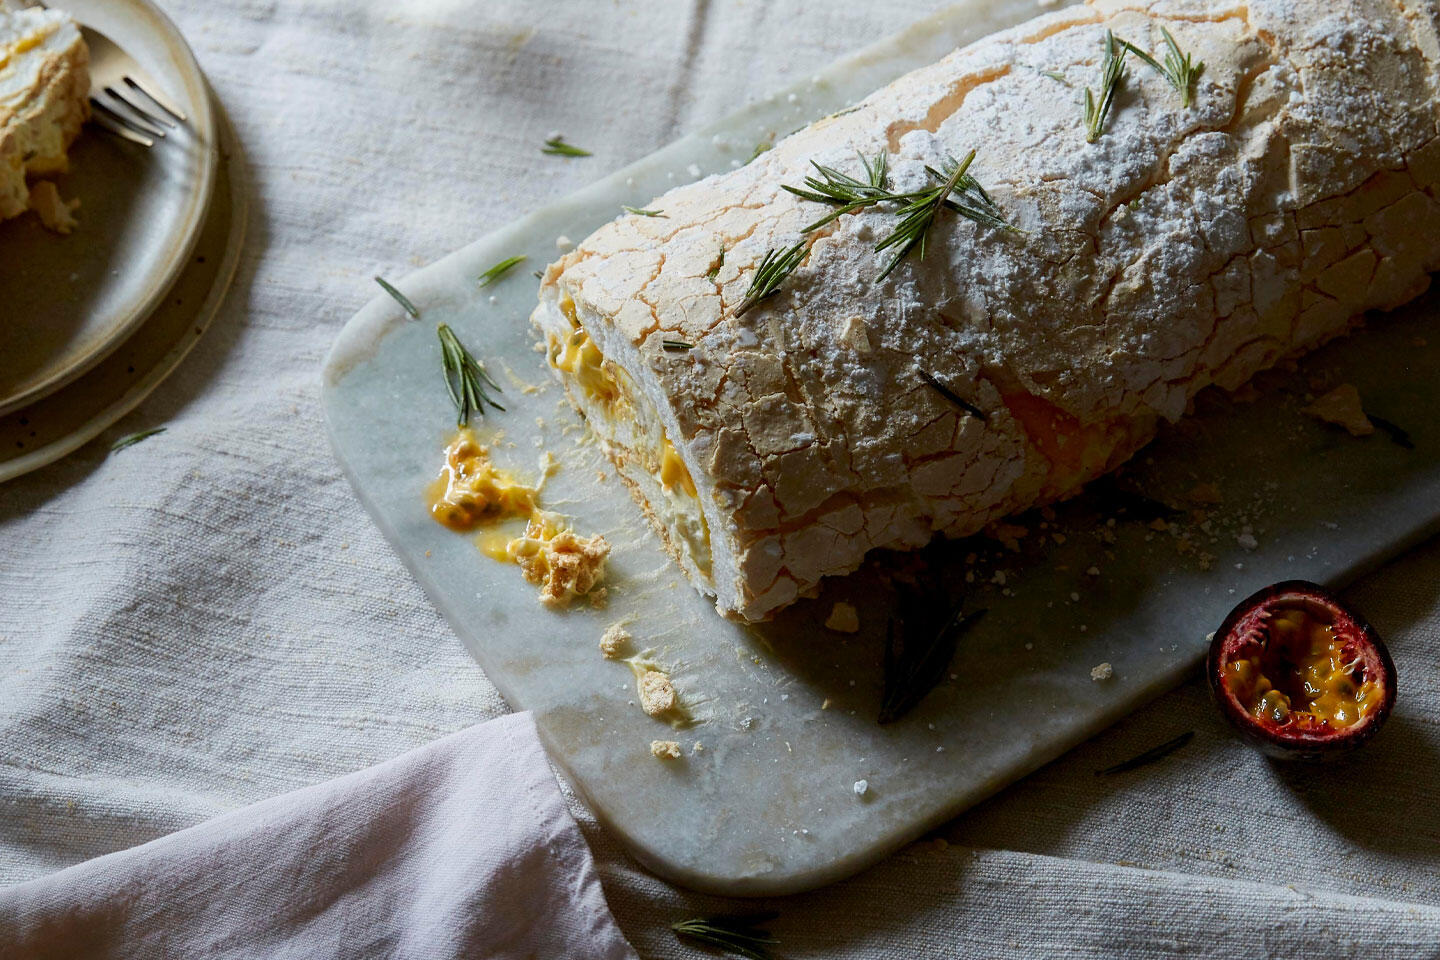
203,122
109,414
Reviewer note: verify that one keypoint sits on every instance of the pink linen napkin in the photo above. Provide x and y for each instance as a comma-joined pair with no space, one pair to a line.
461,849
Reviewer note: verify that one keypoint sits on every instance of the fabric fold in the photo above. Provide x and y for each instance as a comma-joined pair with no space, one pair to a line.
462,848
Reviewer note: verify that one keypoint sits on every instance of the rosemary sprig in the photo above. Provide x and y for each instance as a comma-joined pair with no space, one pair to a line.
952,396
556,146
1149,756
958,191
676,346
499,270
846,192
1397,434
1112,75
642,212
400,298
134,438
918,215
774,267
465,377
742,935
1177,69
1110,497
918,651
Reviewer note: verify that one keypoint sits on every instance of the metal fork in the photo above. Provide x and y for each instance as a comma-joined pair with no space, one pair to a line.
113,75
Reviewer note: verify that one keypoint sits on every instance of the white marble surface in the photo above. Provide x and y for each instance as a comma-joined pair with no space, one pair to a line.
786,713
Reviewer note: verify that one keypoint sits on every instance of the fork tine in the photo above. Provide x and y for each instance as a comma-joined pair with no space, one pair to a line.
157,98
124,133
120,119
146,115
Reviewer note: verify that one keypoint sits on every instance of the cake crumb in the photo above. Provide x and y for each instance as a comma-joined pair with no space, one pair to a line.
665,749
1206,493
614,641
657,693
1342,408
1102,671
843,618
54,213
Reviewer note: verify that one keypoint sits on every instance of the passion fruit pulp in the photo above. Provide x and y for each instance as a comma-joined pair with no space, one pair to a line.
1300,674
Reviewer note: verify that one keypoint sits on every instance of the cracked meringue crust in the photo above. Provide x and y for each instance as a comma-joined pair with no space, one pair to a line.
1186,247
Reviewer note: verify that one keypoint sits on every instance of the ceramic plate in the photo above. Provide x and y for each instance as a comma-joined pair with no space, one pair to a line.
69,301
54,425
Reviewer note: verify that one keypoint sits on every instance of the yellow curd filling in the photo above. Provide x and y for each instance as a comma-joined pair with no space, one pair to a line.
472,493
1324,689
24,45
581,359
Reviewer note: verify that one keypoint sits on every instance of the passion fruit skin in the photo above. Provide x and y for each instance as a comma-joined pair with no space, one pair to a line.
1239,629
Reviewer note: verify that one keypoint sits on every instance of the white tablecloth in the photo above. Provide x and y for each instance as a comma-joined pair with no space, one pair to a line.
208,618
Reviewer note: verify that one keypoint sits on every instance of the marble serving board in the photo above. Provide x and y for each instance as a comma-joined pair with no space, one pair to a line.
783,717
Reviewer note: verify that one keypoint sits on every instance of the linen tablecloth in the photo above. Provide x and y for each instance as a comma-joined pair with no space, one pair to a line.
208,618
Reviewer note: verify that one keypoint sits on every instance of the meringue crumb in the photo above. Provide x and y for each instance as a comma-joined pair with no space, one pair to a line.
843,618
1206,493
657,693
861,787
1342,408
1102,671
698,748
665,749
53,212
614,641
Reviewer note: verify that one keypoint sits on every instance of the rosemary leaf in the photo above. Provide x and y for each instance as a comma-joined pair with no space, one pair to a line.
134,438
1055,75
1397,435
676,346
499,270
1112,498
400,298
714,271
538,275
1149,756
641,212
919,214
760,148
952,396
556,146
918,651
1178,70
740,935
1112,75
465,377
774,267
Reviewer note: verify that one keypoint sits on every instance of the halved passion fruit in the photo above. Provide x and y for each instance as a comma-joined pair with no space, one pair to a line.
1300,674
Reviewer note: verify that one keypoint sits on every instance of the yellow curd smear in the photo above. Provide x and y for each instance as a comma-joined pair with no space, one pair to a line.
579,357
471,491
24,45
673,471
1328,692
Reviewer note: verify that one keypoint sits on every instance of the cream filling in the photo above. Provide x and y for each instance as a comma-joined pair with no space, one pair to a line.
632,433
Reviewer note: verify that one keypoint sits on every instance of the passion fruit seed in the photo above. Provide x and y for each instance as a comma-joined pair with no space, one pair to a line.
1299,673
